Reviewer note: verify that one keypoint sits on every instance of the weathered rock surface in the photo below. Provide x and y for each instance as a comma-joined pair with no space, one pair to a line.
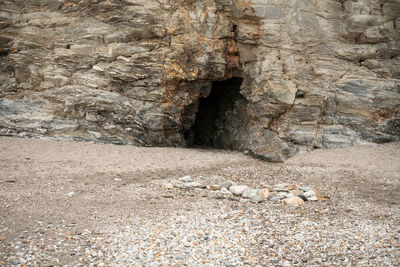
272,77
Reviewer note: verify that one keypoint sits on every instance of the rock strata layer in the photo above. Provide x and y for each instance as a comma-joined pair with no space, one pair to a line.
270,77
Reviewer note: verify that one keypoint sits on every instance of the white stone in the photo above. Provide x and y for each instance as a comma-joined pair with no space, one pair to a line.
185,179
238,189
310,194
225,191
249,193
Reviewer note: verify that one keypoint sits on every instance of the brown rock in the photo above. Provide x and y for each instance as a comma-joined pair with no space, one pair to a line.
317,194
293,201
324,198
292,187
215,187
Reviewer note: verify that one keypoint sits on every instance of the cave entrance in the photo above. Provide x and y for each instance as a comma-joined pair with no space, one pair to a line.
213,115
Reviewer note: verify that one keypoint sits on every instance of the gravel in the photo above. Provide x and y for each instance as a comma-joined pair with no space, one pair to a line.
126,222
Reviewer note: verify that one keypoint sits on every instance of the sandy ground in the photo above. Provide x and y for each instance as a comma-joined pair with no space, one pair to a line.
117,184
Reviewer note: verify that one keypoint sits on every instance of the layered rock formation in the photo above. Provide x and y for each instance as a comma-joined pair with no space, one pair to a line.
275,77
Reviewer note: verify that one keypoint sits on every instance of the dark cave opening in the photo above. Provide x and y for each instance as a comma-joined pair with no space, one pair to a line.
211,116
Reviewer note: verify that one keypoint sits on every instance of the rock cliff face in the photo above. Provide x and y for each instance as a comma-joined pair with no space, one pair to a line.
275,77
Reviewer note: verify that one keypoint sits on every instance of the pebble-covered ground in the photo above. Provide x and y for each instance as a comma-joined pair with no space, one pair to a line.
71,204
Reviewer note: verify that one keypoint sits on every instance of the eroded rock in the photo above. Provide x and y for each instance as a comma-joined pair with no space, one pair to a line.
273,78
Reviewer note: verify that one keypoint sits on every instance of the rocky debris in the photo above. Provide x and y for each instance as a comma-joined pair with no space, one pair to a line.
288,193
133,225
227,236
129,73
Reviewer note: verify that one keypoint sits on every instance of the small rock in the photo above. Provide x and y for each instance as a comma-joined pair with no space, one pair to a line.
310,194
168,186
225,191
193,185
185,179
294,201
227,184
71,194
238,189
249,193
264,193
276,198
303,197
257,199
215,187
292,187
312,198
305,188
